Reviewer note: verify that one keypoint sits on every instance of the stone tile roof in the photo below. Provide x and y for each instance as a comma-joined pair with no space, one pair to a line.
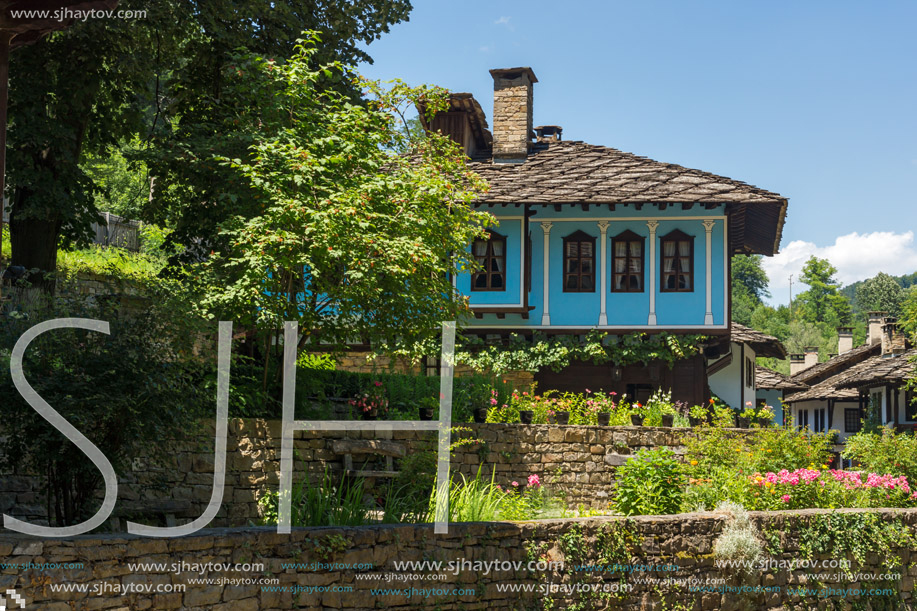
574,173
768,379
823,390
822,371
889,368
761,343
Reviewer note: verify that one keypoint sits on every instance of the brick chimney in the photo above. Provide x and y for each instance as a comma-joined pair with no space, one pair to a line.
874,332
512,113
797,363
892,341
844,339
811,356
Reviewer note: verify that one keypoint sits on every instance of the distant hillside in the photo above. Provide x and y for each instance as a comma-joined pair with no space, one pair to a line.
849,291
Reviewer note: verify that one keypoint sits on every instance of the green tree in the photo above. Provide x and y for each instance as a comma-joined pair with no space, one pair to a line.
105,82
822,302
352,240
881,293
749,286
908,318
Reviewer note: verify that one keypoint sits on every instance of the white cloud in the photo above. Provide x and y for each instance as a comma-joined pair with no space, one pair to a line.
502,21
486,48
856,257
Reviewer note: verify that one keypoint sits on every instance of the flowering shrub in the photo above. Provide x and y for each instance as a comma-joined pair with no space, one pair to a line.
583,408
649,483
373,400
524,502
884,451
804,488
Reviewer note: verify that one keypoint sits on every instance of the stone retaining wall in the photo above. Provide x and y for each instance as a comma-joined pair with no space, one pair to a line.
577,462
679,547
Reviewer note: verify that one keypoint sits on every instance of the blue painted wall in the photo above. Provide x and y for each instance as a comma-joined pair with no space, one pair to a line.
674,310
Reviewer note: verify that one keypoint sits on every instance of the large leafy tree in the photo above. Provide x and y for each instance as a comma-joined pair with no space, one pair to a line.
822,302
749,286
880,293
341,231
103,82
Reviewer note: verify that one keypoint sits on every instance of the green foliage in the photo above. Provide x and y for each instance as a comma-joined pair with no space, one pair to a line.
475,500
328,504
749,286
908,319
740,539
126,391
558,351
342,225
885,451
822,302
859,534
122,186
650,483
880,293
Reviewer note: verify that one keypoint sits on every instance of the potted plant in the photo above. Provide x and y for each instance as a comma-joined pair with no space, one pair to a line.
637,414
562,417
765,416
697,415
526,416
603,418
372,403
668,420
428,406
480,415
743,420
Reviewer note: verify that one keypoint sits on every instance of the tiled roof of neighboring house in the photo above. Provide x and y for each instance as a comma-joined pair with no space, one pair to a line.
887,368
822,371
823,390
768,379
572,172
762,343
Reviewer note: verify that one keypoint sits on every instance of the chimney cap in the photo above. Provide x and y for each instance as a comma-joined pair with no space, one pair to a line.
844,329
797,357
876,313
511,73
811,348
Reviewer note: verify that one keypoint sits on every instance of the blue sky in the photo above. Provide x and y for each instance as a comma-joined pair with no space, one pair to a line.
814,100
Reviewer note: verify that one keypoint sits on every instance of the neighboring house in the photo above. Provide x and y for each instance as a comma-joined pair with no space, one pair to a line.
828,403
772,389
591,237
732,377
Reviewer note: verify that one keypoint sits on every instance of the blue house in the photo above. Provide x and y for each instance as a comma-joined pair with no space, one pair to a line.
591,237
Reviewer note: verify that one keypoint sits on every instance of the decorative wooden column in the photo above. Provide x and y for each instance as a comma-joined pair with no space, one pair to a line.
652,226
708,228
603,231
545,313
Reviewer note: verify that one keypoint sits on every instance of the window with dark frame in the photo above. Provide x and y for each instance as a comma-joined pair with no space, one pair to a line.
579,263
749,373
677,263
627,262
490,254
852,420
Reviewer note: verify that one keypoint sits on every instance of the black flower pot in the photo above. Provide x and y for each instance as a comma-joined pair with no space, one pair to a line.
526,416
370,415
668,420
695,421
743,423
636,420
562,417
480,415
426,413
604,418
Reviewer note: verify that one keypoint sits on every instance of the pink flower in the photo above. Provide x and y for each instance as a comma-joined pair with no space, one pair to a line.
378,383
785,498
515,484
612,393
493,401
534,481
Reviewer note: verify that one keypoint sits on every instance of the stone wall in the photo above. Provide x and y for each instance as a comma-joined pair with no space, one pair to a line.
667,558
577,462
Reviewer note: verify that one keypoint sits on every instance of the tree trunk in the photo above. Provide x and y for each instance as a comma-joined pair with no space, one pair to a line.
34,243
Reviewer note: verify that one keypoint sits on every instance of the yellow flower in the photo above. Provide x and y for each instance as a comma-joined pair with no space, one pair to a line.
768,485
693,463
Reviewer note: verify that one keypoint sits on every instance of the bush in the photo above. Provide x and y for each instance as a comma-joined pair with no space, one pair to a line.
650,483
740,540
328,504
127,392
884,452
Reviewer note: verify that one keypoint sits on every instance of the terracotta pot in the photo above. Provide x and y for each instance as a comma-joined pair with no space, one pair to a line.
604,418
562,417
636,420
526,416
480,415
426,413
668,420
